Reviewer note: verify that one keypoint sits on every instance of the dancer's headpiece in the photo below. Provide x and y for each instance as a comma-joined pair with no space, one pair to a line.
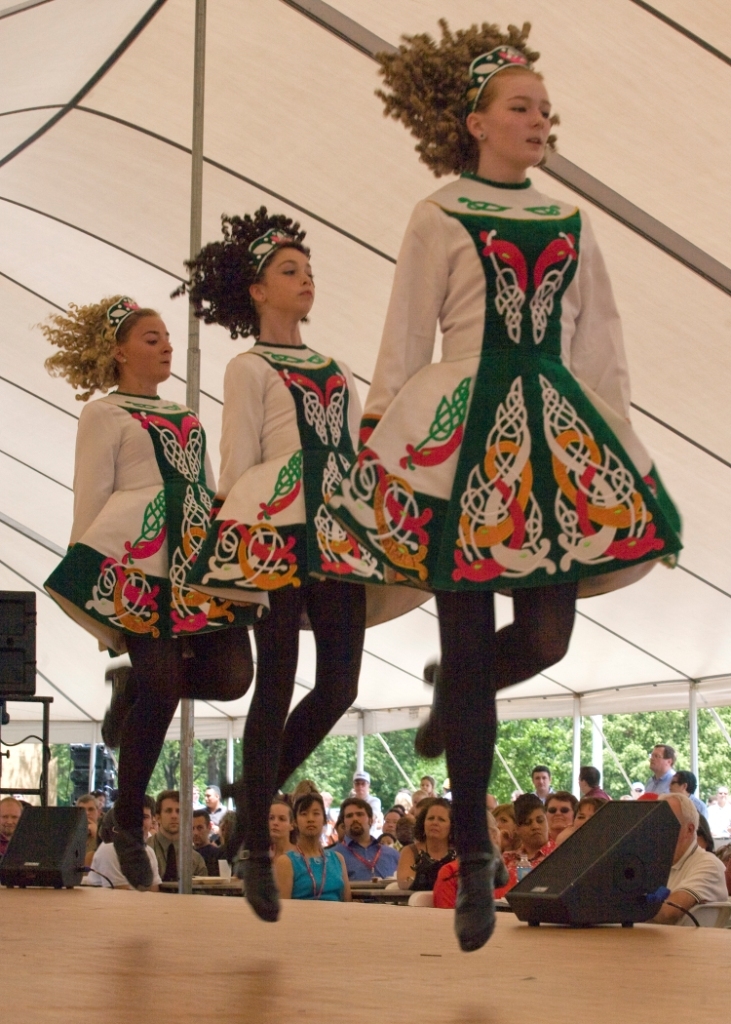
264,247
118,313
484,67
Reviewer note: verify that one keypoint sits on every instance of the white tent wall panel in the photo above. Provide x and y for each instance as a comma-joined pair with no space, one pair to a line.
709,19
16,128
614,74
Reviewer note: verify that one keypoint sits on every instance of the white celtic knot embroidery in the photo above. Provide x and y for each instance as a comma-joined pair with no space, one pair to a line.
509,295
196,514
335,413
541,305
186,460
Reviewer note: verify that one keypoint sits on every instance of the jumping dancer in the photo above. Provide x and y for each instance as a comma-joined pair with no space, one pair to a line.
142,500
289,419
511,464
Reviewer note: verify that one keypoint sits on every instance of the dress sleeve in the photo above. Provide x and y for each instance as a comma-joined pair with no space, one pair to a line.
419,287
97,445
242,421
593,346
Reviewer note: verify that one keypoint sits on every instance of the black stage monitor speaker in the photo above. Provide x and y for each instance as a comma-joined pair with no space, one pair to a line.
47,848
607,872
17,643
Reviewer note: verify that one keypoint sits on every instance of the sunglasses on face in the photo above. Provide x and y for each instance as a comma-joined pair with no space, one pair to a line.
558,810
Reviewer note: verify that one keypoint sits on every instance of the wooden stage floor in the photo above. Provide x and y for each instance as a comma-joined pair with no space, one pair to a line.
91,955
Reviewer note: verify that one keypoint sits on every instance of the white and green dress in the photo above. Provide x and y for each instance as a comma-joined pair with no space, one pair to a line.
290,417
511,462
142,501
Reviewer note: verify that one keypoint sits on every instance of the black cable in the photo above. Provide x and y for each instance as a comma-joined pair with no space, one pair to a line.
89,870
17,744
684,911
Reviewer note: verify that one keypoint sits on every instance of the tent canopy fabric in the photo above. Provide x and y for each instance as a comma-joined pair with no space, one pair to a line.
95,134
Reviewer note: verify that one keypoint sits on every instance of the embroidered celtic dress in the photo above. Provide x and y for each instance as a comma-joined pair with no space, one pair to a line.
511,462
141,509
289,419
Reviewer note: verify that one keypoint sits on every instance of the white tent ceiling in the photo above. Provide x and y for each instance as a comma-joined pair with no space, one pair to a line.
98,202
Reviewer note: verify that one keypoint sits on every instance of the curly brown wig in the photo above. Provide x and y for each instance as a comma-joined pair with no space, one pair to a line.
428,84
87,342
222,272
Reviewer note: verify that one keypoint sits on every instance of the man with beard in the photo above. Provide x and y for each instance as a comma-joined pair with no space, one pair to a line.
364,857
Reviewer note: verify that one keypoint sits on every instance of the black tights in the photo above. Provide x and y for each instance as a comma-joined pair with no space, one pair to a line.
273,749
476,662
207,667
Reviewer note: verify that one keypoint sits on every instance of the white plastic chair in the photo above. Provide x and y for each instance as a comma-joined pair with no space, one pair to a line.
710,915
392,885
421,899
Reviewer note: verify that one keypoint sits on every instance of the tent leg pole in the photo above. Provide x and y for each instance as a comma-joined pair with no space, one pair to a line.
576,759
693,723
92,756
395,760
230,758
193,399
597,746
360,748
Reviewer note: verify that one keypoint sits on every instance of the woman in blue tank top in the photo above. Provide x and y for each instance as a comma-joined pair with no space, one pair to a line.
308,872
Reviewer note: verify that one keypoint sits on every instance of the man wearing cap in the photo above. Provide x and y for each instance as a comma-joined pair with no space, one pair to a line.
365,858
686,782
362,789
662,760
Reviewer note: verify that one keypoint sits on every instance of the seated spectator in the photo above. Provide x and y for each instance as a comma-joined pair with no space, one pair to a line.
338,833
724,857
390,821
216,809
589,782
433,847
165,843
704,837
719,814
505,818
308,872
304,788
202,840
588,806
535,842
90,805
364,857
331,816
416,797
281,827
10,813
105,870
225,831
695,876
405,829
686,782
560,811
403,799
445,887
427,785
386,839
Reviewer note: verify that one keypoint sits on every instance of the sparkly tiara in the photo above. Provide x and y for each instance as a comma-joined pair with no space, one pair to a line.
266,245
488,64
118,313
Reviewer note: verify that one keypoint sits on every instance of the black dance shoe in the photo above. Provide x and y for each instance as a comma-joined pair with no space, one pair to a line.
134,861
474,918
124,693
259,887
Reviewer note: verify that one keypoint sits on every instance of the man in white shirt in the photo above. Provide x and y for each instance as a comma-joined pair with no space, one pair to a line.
719,814
105,870
362,789
696,876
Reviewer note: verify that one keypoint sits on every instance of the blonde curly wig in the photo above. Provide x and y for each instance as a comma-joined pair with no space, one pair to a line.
428,90
87,342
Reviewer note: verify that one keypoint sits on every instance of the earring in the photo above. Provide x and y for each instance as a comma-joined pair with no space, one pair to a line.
482,135
123,359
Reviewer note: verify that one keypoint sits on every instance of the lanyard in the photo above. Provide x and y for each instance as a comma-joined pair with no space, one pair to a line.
315,894
370,864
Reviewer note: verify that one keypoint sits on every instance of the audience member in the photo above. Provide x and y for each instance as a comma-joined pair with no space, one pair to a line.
405,829
445,887
165,843
390,822
362,789
281,826
491,803
403,799
704,837
507,832
386,839
541,776
428,784
105,871
587,808
696,876
10,813
305,787
202,840
308,872
364,857
447,789
719,814
686,782
590,782
216,810
88,802
637,789
662,759
535,843
416,798
433,847
560,811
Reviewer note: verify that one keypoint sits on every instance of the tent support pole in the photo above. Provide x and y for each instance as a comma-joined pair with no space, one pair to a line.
721,724
597,746
230,757
576,759
693,723
395,760
92,756
360,748
508,769
187,725
598,726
